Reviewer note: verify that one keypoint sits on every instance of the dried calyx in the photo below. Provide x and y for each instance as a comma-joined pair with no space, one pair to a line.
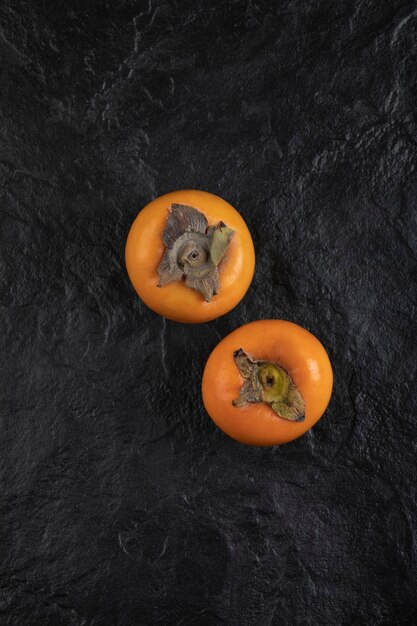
269,383
194,250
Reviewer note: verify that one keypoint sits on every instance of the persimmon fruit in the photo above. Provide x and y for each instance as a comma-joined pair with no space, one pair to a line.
190,256
267,383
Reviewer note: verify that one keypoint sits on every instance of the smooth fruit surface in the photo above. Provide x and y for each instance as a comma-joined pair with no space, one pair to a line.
292,347
176,301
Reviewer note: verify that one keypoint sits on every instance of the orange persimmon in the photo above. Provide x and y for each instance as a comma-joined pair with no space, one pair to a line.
196,236
262,371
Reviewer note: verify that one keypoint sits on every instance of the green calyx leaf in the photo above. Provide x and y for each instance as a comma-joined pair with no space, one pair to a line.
220,242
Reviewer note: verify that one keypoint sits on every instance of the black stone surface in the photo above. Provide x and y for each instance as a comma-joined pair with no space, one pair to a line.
121,503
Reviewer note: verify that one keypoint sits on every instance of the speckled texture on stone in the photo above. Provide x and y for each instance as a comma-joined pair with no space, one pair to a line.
121,503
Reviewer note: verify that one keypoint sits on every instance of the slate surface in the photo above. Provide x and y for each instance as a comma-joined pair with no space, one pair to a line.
121,503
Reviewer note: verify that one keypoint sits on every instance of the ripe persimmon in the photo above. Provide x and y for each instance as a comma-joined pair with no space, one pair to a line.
190,256
267,382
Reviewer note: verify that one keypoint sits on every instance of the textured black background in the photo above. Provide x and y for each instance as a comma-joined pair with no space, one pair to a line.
121,503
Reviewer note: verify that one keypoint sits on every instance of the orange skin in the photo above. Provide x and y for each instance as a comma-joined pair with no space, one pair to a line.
145,248
289,345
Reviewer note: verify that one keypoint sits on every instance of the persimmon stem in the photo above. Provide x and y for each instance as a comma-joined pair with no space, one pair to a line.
268,383
194,250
